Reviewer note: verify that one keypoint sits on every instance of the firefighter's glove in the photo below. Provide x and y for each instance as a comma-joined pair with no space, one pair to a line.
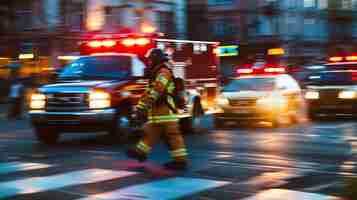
140,115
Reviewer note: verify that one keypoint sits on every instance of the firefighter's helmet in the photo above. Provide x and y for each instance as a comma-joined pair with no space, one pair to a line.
156,55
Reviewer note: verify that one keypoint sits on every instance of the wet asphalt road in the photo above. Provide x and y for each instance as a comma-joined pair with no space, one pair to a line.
239,162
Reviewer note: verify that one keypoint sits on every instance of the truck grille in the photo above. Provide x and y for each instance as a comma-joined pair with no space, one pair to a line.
243,102
329,96
66,102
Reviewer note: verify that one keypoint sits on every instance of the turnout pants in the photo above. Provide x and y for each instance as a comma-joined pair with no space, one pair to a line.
169,131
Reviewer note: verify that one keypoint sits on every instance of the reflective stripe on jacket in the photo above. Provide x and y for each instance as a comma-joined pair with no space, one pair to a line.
157,100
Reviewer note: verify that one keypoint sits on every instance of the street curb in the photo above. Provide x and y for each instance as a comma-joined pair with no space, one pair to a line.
3,117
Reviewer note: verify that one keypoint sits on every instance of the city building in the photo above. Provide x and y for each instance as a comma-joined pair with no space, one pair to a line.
51,28
306,30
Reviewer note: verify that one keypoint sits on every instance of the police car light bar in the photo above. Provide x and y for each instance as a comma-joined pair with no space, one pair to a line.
245,71
336,58
274,69
351,58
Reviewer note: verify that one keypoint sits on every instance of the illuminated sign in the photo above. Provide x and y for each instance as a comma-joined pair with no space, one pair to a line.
67,57
26,56
276,51
230,50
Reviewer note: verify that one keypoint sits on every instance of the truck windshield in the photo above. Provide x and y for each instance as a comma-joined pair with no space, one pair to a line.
333,78
250,84
98,67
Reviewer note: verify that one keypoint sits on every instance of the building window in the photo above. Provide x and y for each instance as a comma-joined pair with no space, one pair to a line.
291,4
223,27
220,2
309,3
315,29
323,4
309,21
166,23
346,4
219,27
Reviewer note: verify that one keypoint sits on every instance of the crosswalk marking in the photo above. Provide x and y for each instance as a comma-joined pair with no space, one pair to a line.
281,194
160,190
10,167
40,184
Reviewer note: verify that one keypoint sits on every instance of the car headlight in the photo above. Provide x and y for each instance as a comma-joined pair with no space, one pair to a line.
38,101
99,100
312,95
347,95
272,102
222,101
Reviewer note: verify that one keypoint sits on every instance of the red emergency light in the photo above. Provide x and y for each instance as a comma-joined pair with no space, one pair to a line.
142,41
267,69
245,71
128,42
336,58
109,43
274,70
138,41
351,58
95,44
104,43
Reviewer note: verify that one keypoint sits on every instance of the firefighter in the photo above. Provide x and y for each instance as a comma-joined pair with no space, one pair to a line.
159,106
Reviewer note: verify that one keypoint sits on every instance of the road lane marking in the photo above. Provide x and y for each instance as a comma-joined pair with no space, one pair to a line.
10,167
40,184
297,134
332,126
101,152
320,187
272,179
172,188
281,194
3,116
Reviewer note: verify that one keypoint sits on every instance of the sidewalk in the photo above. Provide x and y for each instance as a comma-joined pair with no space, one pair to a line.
3,111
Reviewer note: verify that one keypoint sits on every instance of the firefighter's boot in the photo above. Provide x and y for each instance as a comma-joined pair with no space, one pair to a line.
176,165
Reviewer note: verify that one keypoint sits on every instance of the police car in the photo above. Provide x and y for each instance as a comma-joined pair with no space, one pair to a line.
332,91
268,97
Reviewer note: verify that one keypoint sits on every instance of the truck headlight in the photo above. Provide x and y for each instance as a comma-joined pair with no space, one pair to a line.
125,94
347,95
99,100
38,101
312,95
222,101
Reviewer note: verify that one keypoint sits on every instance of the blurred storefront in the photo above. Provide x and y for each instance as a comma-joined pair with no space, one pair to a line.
307,30
42,35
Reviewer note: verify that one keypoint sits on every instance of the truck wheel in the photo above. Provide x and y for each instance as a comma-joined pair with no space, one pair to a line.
276,121
218,123
312,116
120,125
47,135
192,124
294,118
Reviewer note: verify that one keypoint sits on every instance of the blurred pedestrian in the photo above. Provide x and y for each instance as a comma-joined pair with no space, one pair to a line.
16,94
